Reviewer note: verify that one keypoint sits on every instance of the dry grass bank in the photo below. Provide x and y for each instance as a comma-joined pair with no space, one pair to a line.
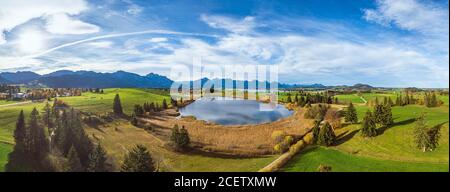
240,140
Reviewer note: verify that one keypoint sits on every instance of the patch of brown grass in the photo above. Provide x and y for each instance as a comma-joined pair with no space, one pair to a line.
241,140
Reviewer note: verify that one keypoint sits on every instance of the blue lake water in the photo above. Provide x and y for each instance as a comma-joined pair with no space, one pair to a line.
234,112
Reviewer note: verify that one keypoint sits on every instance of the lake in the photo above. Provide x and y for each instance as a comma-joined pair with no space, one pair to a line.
226,111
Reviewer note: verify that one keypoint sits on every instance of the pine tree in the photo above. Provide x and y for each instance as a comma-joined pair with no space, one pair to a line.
351,115
97,160
420,133
180,137
326,135
73,161
117,105
47,116
316,131
368,126
138,160
18,159
378,113
387,116
164,104
38,145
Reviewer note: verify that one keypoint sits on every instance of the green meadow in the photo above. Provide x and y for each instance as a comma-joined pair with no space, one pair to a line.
393,150
347,98
5,148
310,159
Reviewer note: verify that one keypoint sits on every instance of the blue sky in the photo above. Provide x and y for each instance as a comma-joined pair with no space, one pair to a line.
394,43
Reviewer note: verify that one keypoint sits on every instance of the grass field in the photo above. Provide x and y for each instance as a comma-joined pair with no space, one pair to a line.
100,103
310,159
5,148
349,98
4,102
393,150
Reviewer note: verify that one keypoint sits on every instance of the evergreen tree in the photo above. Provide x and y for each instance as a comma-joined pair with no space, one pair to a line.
326,135
134,121
316,131
289,99
164,104
73,161
368,126
18,159
38,141
387,116
351,115
420,133
138,160
47,116
117,105
97,160
180,137
138,110
378,113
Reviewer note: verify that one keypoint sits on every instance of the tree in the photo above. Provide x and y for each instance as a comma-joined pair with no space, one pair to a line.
368,126
138,160
47,116
138,110
97,160
326,135
426,138
134,121
73,161
351,115
164,104
378,113
180,137
18,159
117,105
316,131
38,141
387,119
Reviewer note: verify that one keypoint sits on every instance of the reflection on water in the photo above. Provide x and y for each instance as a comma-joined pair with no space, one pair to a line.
233,112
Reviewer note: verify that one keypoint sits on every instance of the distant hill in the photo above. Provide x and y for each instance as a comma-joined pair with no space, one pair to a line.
293,86
89,79
20,77
361,86
3,80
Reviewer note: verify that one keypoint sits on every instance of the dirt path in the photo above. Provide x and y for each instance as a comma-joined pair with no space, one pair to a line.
16,104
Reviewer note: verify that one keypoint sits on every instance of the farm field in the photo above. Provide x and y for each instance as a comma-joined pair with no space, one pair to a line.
395,146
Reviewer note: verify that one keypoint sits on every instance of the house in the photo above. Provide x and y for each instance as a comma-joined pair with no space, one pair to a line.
19,95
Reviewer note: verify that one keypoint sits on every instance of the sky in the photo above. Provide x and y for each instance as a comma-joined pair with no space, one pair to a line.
391,43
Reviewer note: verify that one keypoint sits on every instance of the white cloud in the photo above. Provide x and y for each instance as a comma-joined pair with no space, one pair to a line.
158,39
229,24
17,12
424,17
63,24
101,44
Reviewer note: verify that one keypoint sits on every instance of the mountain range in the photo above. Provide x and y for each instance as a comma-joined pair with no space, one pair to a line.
87,79
122,79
